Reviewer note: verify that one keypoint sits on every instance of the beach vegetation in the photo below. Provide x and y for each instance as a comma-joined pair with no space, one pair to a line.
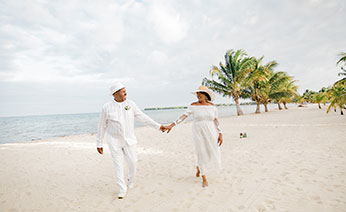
318,98
228,78
337,97
246,77
257,82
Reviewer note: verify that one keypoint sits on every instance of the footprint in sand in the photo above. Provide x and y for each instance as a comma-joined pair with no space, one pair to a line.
276,181
260,208
270,204
284,174
241,192
187,205
315,198
241,207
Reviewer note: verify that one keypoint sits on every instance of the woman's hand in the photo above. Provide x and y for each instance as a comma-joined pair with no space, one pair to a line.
219,139
168,128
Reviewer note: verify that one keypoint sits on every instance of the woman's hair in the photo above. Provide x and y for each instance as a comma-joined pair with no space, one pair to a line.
206,94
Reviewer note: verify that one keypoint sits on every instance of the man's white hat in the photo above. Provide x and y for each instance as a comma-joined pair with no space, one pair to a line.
117,86
205,89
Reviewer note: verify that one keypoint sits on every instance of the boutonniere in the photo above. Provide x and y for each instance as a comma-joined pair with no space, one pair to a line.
127,107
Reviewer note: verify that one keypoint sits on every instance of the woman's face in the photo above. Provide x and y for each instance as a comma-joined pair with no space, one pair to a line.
201,97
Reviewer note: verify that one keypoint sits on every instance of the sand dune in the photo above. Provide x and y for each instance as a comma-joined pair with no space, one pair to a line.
292,160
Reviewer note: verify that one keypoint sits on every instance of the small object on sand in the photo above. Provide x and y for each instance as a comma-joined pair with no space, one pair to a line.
243,135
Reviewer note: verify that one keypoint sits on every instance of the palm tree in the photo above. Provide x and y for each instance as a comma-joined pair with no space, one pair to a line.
230,76
337,98
288,90
319,98
257,81
342,59
342,62
276,88
308,95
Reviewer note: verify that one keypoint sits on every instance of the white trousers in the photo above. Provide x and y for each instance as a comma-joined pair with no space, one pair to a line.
121,151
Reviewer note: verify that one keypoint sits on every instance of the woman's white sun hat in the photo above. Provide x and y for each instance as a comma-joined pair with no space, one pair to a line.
117,86
205,89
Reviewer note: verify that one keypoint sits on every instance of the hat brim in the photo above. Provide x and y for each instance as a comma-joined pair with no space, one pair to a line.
211,94
112,92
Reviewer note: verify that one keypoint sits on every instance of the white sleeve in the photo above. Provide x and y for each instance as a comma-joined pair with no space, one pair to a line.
101,128
145,119
187,113
216,121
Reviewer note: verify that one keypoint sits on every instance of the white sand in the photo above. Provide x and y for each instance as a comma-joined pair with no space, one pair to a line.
292,160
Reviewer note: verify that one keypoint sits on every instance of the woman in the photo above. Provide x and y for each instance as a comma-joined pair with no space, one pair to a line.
207,135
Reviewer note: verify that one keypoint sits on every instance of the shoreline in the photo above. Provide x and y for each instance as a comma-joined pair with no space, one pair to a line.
93,134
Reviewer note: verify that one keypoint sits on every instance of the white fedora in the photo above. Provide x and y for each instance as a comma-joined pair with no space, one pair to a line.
117,86
206,90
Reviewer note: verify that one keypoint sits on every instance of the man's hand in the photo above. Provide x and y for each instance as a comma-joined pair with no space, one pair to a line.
219,139
100,150
162,128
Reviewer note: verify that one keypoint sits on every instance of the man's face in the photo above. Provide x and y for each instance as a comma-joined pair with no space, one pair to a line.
120,95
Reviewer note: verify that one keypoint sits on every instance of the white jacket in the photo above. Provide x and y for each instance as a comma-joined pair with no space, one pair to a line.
117,120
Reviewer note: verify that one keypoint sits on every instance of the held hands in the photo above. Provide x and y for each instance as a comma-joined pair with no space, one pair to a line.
167,128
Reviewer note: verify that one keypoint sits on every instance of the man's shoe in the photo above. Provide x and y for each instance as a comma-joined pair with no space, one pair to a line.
121,195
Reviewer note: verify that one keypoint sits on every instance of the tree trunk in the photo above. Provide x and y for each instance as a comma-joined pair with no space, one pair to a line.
265,106
285,105
258,109
319,106
239,111
279,106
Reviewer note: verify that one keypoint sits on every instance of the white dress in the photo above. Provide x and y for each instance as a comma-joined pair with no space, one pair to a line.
205,132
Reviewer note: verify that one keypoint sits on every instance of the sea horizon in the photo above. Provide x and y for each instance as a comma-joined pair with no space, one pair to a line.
17,129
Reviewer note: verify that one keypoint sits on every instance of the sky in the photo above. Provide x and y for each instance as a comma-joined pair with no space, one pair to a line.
62,56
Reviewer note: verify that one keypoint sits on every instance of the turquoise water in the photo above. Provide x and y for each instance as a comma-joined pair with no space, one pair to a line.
29,128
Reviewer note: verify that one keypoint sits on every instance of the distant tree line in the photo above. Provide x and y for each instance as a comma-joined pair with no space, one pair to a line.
335,94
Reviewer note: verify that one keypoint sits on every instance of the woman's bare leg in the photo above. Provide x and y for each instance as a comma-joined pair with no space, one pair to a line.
198,172
205,182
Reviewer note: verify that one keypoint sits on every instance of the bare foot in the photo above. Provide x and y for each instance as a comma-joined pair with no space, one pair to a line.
198,172
205,182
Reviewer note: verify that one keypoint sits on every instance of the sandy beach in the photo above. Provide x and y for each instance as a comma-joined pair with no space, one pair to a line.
292,160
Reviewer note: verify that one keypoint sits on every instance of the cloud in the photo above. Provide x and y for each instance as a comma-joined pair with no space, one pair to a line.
168,23
52,41
158,57
75,49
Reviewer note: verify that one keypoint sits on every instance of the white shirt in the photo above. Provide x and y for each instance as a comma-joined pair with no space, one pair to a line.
117,120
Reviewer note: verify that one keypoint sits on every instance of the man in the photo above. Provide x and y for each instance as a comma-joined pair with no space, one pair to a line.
117,120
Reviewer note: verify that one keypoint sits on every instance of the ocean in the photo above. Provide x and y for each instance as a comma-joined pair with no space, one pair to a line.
31,128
